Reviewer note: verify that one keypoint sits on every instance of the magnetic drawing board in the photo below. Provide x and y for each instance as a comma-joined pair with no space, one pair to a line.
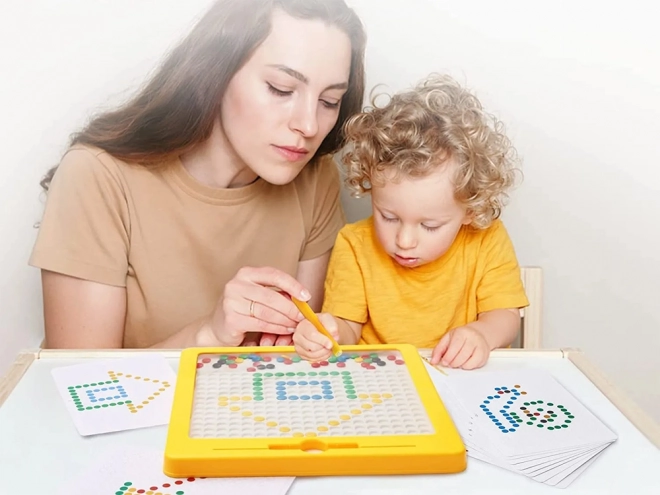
267,412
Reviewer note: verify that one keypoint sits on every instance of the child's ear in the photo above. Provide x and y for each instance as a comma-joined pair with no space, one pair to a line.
469,216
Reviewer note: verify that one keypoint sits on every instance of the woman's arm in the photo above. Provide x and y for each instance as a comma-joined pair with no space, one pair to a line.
311,274
80,314
83,314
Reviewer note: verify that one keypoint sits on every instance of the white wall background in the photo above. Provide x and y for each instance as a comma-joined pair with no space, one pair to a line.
577,82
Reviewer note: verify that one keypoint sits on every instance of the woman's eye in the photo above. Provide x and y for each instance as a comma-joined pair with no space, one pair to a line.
330,104
278,92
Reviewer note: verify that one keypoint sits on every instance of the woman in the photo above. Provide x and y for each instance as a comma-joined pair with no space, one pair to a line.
170,221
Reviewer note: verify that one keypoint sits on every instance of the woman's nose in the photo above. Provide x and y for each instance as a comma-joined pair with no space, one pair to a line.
304,119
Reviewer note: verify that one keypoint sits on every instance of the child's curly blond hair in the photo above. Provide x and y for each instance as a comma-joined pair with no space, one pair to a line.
420,129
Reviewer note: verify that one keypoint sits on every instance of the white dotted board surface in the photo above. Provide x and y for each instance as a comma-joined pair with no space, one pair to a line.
280,395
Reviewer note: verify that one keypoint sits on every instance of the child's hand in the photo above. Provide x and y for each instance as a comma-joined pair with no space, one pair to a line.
463,347
311,344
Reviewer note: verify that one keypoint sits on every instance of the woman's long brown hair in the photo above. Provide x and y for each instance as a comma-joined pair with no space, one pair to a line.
177,108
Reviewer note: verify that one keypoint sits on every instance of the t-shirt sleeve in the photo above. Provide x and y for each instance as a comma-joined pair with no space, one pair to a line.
84,232
501,285
327,214
345,295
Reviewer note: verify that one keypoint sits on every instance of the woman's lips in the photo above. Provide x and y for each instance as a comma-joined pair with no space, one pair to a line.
291,153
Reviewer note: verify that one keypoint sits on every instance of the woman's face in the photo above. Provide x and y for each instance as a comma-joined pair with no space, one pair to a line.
280,106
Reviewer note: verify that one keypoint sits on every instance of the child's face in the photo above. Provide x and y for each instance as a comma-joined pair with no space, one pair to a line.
417,219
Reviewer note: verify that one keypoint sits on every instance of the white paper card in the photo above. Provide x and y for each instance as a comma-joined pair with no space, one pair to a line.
137,471
523,421
118,394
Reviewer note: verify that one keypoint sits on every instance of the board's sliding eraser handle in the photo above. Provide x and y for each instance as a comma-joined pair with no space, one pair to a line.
313,445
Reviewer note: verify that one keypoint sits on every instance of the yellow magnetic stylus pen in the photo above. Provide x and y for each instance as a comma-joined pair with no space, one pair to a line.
314,320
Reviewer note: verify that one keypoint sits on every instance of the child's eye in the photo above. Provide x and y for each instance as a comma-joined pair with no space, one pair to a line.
388,219
278,92
430,229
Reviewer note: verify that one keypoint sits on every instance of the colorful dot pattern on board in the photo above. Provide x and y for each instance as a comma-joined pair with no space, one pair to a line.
260,362
533,413
169,488
281,395
110,393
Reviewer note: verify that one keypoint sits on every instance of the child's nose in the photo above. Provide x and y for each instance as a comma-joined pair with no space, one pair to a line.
406,239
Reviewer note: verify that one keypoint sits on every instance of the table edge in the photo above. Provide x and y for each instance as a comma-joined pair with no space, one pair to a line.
640,419
25,359
637,416
15,372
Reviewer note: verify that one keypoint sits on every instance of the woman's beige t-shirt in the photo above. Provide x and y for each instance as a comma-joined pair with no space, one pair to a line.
173,242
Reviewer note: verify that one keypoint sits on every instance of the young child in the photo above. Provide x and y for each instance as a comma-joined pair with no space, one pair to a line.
433,265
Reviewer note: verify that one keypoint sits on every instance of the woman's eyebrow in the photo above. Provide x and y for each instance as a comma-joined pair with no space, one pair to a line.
302,78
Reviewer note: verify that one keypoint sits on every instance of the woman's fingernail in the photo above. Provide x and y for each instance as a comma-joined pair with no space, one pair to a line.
305,295
291,330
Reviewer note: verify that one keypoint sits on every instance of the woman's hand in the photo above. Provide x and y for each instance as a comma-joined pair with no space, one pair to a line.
257,300
266,339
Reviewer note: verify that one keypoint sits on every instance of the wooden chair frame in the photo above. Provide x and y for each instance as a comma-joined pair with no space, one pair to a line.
532,315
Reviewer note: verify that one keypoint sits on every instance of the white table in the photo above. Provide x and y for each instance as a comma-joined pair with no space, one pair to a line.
40,448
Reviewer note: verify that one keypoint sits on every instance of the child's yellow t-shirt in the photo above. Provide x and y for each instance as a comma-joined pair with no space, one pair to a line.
419,305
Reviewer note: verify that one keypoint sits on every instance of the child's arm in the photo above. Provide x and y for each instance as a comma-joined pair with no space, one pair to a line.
500,287
469,346
499,327
311,345
349,331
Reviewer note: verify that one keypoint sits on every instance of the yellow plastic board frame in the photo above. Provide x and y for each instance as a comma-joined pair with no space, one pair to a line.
262,411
